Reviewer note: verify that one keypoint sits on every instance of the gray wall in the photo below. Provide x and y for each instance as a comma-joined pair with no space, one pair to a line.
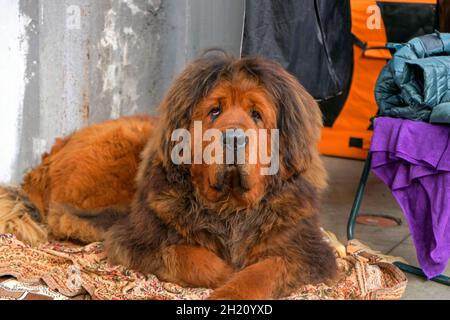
91,60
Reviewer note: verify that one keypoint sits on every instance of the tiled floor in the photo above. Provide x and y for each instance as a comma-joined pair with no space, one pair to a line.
344,177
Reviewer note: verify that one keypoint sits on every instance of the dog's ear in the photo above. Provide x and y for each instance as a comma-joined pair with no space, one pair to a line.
300,123
299,116
189,88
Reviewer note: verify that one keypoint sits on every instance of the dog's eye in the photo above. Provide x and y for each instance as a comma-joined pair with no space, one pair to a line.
256,116
215,112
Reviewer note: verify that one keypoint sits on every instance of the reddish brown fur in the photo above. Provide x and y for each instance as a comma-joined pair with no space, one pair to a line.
259,244
270,239
91,169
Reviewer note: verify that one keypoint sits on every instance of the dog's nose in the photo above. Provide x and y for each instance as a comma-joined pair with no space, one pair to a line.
234,139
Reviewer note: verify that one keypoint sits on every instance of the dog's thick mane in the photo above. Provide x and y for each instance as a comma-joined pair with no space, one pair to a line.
284,205
298,116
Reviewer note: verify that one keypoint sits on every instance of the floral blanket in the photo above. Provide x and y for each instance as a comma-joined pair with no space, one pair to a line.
56,271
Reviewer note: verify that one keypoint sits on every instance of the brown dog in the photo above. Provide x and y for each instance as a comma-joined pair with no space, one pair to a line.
228,227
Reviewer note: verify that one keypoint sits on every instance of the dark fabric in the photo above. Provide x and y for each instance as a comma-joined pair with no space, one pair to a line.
404,21
444,15
310,38
331,108
416,83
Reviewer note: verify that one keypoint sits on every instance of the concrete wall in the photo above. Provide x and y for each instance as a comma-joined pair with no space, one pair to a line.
67,63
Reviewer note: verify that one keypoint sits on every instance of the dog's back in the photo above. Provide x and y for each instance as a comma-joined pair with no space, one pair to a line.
92,169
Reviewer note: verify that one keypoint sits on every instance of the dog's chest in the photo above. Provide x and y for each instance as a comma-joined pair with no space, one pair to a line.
231,237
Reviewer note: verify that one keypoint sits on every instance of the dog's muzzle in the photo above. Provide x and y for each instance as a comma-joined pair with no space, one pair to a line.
235,141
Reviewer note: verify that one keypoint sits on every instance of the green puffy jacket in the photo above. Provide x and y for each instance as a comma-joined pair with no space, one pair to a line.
415,84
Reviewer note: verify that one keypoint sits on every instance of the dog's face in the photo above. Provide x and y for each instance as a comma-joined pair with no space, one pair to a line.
240,110
227,98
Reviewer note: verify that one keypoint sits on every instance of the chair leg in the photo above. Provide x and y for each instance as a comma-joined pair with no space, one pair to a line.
442,279
358,199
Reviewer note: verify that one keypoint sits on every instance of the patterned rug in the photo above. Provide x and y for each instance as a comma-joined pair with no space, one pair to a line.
57,271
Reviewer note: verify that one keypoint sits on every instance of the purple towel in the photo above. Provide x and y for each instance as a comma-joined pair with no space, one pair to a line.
413,159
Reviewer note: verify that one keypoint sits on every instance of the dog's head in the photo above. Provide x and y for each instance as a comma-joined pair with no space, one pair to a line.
237,114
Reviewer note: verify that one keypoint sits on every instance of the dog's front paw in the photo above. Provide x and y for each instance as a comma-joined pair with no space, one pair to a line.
224,294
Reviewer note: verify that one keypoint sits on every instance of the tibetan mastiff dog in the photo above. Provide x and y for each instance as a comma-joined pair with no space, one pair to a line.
225,226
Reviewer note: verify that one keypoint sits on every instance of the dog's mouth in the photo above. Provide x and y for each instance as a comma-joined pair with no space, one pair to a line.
231,178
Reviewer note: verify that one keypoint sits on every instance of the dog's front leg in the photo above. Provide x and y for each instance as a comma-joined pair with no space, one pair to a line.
192,266
267,279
